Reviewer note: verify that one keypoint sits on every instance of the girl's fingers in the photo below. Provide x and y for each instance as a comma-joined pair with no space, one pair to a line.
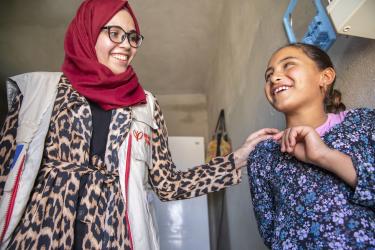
299,134
284,139
287,141
293,138
282,142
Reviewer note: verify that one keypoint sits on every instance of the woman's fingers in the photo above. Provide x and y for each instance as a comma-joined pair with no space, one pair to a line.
243,152
260,138
261,135
264,131
278,136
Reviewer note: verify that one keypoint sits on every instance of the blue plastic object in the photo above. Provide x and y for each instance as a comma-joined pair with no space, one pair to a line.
320,31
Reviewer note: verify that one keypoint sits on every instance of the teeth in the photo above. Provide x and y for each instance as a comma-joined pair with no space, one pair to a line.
120,57
279,89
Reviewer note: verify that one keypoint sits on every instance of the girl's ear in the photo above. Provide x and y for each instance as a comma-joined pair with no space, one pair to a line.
328,77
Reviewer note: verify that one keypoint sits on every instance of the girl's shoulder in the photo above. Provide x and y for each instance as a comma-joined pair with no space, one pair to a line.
265,150
356,121
360,116
361,111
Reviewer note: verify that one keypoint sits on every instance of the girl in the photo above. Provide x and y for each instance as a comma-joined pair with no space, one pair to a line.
315,189
102,145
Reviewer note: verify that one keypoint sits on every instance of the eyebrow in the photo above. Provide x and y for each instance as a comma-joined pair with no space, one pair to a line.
130,31
282,60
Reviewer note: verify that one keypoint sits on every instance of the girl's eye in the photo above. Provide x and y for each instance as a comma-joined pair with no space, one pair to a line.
288,65
268,77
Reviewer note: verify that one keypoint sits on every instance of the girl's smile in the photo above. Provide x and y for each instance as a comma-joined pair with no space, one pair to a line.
292,80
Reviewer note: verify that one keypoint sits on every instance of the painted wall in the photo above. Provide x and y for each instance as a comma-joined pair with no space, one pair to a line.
185,115
31,38
251,31
172,60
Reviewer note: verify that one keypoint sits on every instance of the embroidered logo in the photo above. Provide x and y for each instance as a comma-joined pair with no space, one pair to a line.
138,135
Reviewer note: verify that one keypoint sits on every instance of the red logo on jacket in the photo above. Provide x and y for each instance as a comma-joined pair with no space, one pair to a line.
139,136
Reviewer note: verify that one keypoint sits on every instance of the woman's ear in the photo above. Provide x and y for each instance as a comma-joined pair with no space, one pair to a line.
328,77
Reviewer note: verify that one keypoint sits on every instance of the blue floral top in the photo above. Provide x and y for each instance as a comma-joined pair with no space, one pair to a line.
301,206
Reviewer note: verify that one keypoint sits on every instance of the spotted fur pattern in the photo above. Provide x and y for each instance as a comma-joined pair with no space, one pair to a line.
8,142
54,205
60,197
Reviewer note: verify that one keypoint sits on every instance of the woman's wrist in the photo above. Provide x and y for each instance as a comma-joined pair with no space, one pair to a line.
239,162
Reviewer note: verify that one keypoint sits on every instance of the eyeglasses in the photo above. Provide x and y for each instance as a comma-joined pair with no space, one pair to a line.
117,35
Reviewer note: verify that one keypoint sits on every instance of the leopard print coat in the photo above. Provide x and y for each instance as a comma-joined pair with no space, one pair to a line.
60,197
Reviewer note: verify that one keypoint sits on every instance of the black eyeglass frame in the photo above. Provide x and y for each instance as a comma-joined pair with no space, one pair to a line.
127,34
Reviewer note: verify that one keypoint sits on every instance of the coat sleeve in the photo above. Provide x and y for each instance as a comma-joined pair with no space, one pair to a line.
172,184
364,162
258,167
8,141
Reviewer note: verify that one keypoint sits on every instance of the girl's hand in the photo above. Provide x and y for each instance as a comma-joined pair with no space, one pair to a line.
304,143
241,154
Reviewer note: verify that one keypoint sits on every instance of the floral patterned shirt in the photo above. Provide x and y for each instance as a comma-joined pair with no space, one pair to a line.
302,206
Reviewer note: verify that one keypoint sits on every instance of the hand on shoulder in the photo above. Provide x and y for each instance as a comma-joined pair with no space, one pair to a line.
242,153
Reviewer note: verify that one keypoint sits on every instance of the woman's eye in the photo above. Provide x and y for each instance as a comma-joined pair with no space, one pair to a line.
134,39
114,34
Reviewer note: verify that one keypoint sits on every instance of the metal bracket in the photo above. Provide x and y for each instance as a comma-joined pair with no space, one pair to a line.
320,31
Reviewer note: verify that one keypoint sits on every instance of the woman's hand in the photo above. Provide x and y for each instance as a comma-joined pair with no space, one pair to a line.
305,144
241,154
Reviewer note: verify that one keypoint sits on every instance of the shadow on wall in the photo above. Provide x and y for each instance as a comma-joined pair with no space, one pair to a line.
36,29
3,104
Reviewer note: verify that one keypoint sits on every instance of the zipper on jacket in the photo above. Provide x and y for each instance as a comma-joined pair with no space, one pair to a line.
127,173
20,152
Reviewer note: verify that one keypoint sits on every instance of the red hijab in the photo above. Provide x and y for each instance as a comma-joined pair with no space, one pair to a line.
89,77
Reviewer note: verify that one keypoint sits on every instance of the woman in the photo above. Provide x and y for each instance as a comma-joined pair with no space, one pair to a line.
105,142
315,189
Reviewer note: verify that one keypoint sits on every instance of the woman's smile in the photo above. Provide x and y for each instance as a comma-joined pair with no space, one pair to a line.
120,57
116,56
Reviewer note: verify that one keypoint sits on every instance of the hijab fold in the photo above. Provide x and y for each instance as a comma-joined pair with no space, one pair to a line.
90,78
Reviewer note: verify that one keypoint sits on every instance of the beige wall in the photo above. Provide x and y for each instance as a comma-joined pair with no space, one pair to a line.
32,38
251,31
185,115
355,65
